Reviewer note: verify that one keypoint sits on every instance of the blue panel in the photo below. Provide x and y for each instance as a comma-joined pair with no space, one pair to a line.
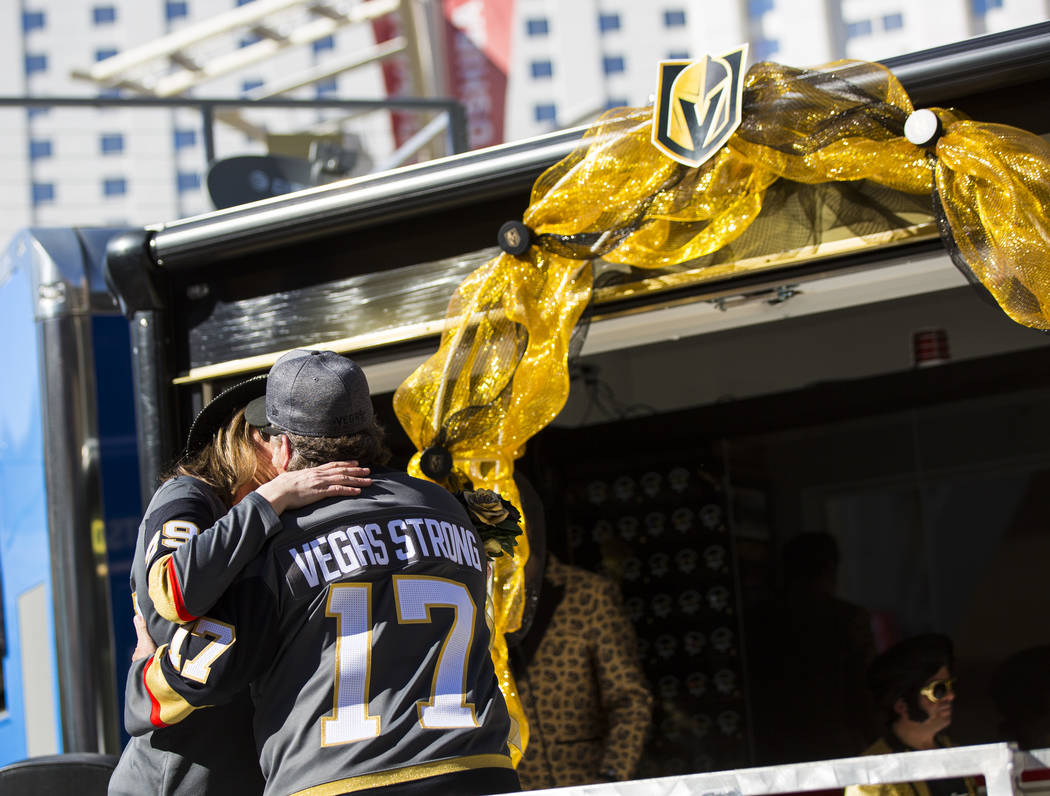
24,556
118,454
24,549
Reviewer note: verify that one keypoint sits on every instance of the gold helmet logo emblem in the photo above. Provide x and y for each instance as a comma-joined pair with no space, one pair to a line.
698,105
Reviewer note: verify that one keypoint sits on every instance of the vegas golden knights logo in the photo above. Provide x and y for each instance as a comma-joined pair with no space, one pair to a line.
698,105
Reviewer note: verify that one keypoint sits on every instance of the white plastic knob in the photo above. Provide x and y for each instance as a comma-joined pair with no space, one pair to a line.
922,127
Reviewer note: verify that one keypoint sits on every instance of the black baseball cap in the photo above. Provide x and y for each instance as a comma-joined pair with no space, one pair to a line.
220,409
313,394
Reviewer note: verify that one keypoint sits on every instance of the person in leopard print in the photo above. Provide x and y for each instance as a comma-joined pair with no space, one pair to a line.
576,668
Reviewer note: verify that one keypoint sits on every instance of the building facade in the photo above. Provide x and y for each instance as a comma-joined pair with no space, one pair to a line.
113,166
572,60
568,62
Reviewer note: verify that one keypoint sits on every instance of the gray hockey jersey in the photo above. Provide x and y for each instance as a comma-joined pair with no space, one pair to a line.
213,751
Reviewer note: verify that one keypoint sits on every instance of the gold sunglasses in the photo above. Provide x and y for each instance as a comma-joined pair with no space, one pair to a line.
938,689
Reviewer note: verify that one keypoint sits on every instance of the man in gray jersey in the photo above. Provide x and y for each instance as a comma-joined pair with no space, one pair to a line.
200,529
360,626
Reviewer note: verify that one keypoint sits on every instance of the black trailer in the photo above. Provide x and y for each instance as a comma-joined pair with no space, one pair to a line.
794,395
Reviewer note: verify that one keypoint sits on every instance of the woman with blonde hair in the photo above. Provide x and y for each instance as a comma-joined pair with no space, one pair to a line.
212,514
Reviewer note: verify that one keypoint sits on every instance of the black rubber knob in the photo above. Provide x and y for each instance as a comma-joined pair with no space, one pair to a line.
435,462
515,238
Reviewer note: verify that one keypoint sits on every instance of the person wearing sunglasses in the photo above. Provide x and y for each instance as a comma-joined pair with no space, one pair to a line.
914,689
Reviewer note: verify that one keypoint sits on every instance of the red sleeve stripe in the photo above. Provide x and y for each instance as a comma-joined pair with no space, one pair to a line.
154,715
176,594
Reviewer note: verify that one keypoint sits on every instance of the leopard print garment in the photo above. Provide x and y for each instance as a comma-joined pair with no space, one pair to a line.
584,693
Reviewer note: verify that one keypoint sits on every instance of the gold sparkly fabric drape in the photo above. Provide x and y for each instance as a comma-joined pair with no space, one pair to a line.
490,388
500,374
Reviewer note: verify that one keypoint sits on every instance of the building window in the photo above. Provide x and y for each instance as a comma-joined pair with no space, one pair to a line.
251,85
766,48
546,112
613,64
110,92
326,88
114,186
176,9
615,102
608,22
537,27
43,192
893,21
678,55
249,40
184,139
982,7
37,110
541,69
327,43
674,19
104,53
111,143
36,63
243,2
756,8
188,181
39,148
855,30
104,15
33,20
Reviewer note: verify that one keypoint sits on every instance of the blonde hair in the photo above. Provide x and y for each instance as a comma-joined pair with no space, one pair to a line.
230,462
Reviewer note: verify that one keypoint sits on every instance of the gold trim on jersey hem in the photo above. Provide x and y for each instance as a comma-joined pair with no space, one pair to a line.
407,774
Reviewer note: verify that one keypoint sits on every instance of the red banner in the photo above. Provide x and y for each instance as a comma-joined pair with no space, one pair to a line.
477,44
397,78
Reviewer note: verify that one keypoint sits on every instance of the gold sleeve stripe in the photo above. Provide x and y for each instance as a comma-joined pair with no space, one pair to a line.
168,706
165,592
407,774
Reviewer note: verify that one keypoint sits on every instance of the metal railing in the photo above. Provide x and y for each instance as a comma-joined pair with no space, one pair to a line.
455,129
1000,764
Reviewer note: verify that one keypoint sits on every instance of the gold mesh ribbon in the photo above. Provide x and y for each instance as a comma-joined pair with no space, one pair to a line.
489,388
500,374
993,182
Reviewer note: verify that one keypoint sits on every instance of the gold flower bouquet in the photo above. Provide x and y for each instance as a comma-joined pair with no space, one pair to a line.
497,520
